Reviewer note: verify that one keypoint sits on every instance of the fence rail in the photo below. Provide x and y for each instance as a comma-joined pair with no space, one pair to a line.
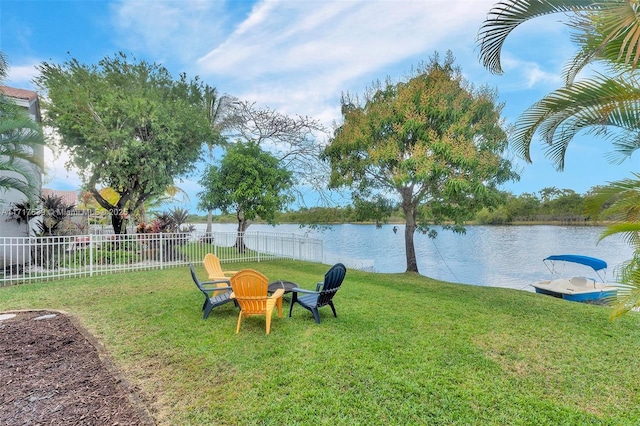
26,259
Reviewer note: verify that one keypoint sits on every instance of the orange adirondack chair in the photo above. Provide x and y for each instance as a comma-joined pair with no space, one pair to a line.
250,291
214,270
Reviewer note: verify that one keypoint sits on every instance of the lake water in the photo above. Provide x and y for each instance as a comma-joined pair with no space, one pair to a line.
499,256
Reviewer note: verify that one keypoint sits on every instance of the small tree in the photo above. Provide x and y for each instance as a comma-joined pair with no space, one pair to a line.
248,182
290,139
431,143
55,212
179,216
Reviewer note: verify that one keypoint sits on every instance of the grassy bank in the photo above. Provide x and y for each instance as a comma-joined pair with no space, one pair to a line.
404,349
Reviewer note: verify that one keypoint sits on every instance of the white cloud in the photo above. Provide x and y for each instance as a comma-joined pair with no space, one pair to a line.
528,74
56,175
20,76
168,29
55,160
298,56
359,36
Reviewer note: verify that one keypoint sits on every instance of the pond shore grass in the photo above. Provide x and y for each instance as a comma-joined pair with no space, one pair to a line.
405,349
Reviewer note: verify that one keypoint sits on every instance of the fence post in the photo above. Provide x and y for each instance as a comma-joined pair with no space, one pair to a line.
161,250
258,240
91,242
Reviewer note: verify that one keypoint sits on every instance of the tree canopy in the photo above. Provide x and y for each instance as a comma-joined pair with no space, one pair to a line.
127,125
433,143
291,139
249,182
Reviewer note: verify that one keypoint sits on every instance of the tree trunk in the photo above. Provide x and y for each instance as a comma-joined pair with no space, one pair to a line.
209,221
117,221
243,224
409,231
409,208
115,210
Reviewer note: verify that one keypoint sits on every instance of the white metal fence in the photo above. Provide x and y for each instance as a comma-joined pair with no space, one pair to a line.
26,259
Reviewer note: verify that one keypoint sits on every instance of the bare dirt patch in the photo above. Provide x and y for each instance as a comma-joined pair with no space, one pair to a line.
54,372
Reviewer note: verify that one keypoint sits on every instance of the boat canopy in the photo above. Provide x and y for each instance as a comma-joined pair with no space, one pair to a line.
596,264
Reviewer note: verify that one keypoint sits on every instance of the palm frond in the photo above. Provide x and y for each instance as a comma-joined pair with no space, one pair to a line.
622,201
624,198
26,187
628,295
625,144
610,33
560,115
582,58
627,229
4,66
615,201
506,15
619,24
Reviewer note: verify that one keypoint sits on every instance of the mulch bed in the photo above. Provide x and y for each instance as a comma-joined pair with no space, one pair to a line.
53,372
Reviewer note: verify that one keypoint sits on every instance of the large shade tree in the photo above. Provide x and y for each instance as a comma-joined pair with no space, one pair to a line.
20,138
128,125
433,143
249,183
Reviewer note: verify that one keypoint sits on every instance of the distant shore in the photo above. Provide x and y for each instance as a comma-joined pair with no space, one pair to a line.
514,223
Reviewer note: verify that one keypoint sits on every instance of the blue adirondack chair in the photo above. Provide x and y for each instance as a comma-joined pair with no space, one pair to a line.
216,293
323,295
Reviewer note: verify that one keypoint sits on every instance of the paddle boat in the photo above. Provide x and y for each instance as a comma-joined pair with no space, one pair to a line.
577,288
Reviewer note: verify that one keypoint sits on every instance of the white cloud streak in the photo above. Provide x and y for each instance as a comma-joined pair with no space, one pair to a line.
298,56
168,30
20,76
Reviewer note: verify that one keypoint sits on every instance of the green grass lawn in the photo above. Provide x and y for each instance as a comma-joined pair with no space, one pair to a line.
405,349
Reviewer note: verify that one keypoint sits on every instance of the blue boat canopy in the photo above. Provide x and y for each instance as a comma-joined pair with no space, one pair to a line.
596,264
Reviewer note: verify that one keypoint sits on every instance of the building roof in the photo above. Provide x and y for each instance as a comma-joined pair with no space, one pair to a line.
68,197
12,92
25,98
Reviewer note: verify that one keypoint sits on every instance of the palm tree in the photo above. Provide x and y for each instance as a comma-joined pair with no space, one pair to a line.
605,31
169,196
179,216
619,202
218,107
19,135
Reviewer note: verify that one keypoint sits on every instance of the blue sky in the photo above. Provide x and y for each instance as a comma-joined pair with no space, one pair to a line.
298,56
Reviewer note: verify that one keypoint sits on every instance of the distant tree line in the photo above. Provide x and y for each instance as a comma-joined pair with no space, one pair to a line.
329,215
547,205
